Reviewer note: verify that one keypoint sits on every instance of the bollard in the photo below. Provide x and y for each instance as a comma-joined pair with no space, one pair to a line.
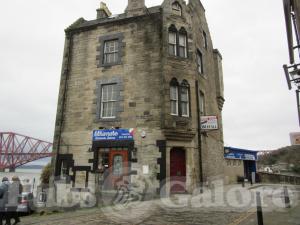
286,197
260,220
243,183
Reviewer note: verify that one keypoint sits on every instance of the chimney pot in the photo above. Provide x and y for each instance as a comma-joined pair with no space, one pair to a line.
103,11
135,7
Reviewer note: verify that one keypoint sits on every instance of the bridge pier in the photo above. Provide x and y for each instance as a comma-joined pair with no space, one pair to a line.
2,170
12,170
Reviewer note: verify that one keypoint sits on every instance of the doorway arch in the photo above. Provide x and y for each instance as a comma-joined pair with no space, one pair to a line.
177,170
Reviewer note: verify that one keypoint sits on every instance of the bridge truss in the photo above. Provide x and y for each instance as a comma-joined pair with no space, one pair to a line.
17,150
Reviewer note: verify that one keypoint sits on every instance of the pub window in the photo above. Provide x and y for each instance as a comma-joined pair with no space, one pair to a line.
111,51
184,99
182,47
108,100
103,160
200,62
228,162
176,9
234,162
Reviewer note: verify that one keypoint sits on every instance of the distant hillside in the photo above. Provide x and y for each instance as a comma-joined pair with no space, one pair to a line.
289,155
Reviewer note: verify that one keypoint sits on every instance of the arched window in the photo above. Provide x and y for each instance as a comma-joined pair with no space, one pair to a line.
176,9
180,98
202,103
174,96
184,99
199,61
172,40
182,43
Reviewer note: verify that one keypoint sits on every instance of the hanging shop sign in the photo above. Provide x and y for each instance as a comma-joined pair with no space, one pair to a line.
295,138
113,134
209,122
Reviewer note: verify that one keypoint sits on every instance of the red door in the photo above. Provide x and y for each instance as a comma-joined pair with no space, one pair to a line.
118,167
177,170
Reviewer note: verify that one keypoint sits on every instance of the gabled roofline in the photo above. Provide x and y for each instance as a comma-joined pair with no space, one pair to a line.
82,25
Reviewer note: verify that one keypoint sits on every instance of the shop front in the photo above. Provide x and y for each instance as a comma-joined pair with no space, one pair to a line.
113,150
242,161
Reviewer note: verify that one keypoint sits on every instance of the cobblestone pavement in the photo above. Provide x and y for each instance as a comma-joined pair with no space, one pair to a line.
180,210
157,216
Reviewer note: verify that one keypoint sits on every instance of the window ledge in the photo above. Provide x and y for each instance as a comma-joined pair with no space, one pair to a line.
180,118
108,119
178,58
108,65
174,16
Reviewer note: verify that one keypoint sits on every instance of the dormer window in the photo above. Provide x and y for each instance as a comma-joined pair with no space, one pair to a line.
176,9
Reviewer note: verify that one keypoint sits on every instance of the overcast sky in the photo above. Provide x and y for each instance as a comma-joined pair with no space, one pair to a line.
259,112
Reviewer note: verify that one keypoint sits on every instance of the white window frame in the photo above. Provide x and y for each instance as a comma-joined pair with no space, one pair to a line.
187,102
182,45
109,100
114,52
176,100
174,44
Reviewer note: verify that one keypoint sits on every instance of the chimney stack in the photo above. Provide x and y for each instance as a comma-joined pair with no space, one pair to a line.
103,12
135,7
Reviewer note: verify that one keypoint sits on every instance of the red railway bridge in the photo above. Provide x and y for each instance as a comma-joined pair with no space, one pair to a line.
17,150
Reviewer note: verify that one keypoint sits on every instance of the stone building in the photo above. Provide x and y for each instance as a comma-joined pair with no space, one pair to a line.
134,88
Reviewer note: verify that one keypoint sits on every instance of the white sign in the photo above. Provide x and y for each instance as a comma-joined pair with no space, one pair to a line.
295,138
209,123
145,169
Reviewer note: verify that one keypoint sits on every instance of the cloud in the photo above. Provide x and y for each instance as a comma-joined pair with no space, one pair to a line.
259,111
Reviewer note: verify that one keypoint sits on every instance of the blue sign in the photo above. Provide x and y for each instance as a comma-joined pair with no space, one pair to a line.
113,135
233,153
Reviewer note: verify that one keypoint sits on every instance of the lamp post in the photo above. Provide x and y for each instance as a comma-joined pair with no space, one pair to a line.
292,74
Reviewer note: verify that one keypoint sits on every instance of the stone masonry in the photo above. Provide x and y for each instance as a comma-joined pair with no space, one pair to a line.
142,75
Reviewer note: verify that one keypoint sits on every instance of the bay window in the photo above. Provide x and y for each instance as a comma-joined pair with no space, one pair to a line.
179,98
